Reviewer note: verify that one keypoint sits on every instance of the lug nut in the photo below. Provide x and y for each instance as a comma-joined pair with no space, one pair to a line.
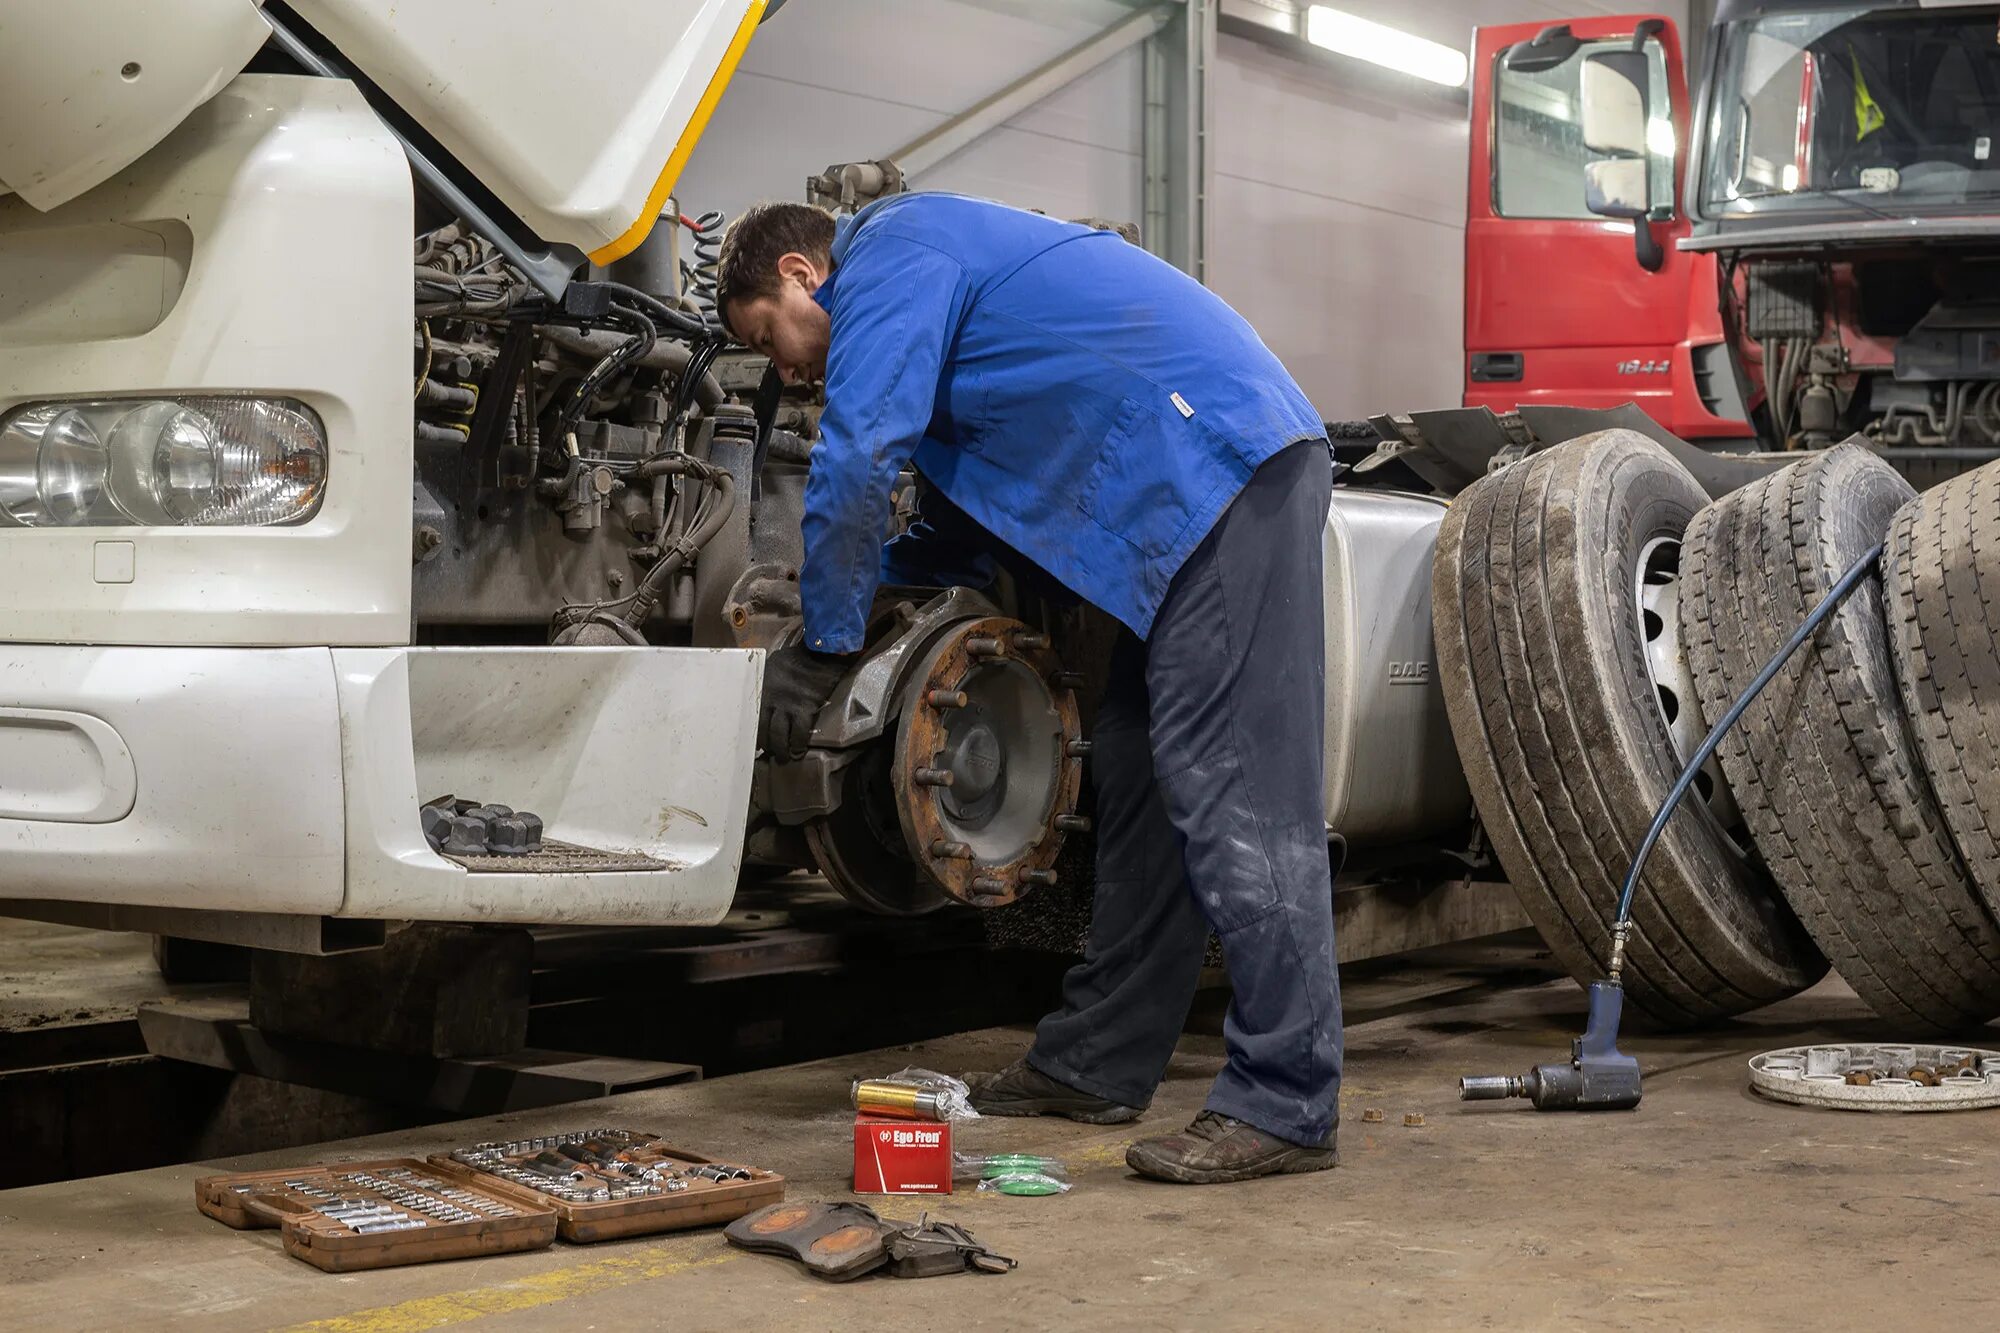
984,647
1077,749
951,851
1072,824
932,777
1045,878
945,698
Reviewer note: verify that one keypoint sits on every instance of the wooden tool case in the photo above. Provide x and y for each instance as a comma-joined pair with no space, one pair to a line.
702,1203
289,1200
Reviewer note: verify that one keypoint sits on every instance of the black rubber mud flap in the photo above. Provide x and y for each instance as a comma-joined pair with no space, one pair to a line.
1824,763
1541,641
1942,576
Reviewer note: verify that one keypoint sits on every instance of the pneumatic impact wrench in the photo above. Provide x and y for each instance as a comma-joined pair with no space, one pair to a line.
1598,1076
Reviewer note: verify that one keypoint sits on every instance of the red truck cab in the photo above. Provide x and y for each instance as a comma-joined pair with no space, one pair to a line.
1806,250
1563,306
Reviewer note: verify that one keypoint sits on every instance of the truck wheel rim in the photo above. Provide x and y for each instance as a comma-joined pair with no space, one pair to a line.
1658,590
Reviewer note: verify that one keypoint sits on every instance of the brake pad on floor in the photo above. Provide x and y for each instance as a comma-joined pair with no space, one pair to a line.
935,1249
842,1241
836,1241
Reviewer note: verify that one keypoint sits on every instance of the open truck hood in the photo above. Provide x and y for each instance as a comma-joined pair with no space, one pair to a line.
88,89
578,116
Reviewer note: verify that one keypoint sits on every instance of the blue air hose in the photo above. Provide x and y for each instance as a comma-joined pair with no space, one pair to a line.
1838,594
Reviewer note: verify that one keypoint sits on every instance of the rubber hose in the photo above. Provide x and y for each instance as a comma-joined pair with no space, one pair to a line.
709,520
700,275
1838,594
671,357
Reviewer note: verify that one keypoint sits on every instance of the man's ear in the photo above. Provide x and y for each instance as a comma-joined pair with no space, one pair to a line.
795,267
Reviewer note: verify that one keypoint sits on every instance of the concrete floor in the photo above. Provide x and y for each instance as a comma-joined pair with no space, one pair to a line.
1705,1208
54,976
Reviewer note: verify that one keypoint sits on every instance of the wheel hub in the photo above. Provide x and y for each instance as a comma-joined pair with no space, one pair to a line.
977,761
971,790
988,761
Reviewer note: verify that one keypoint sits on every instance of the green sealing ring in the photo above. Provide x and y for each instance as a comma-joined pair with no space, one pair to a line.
1005,1163
1022,1174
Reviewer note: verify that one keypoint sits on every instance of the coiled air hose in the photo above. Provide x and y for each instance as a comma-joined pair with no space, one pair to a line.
698,278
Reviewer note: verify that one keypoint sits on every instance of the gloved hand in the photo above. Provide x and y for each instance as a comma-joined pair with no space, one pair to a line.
797,681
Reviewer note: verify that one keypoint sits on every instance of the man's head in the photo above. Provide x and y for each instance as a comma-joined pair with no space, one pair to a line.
774,257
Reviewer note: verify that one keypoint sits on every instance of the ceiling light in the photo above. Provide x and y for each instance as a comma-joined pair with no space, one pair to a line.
1391,48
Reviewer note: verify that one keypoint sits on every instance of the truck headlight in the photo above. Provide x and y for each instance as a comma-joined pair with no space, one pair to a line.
193,461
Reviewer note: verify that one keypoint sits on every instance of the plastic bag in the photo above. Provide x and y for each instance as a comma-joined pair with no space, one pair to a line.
1012,1173
915,1094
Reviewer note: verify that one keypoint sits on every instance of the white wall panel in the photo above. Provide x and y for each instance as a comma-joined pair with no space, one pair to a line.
1362,306
844,80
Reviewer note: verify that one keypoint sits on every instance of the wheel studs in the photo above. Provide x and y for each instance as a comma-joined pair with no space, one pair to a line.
1072,824
1077,749
1045,878
932,777
984,647
1028,639
945,850
945,698
988,887
1067,680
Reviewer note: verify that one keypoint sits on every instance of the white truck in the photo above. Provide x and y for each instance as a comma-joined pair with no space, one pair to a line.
298,542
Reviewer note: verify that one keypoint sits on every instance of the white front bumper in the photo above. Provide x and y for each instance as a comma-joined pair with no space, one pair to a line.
288,780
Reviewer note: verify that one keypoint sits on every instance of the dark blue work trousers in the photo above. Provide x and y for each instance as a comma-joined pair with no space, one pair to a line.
1208,763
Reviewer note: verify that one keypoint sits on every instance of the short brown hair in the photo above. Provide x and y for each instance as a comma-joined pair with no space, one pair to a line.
754,243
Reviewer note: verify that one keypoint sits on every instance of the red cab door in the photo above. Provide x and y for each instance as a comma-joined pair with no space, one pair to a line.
1559,308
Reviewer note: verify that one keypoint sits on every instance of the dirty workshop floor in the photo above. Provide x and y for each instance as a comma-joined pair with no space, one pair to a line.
1706,1208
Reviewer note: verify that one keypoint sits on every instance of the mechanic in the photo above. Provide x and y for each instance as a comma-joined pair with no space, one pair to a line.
1113,421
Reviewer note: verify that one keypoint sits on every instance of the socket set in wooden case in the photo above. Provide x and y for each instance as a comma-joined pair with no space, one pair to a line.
605,1183
357,1215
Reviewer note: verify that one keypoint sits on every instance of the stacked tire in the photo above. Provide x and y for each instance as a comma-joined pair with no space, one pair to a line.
1536,596
1857,814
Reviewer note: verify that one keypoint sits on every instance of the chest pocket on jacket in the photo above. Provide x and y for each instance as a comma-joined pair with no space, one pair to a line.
1133,490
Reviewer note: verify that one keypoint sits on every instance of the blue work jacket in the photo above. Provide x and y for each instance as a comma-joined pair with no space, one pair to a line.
1088,404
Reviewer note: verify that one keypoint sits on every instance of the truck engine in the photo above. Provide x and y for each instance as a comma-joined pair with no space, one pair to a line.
623,474
1902,348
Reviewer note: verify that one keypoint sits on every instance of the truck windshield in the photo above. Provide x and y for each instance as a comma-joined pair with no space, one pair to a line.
1856,111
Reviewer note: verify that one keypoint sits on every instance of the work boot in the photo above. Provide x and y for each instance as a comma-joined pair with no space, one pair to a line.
1216,1150
1020,1089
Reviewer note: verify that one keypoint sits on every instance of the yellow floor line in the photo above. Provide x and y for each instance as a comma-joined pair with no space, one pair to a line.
527,1293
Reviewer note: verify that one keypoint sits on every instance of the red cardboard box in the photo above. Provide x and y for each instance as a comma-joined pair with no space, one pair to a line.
901,1156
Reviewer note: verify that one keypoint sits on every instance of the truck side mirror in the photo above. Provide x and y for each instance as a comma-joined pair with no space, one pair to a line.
1618,188
1614,94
